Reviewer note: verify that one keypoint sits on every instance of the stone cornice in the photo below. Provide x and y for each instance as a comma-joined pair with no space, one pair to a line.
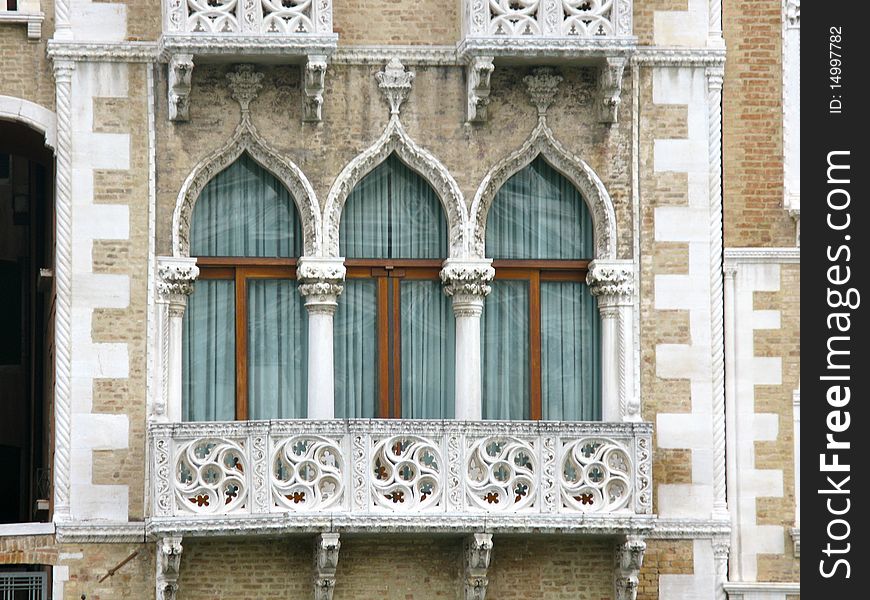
542,48
86,533
678,57
735,256
248,46
675,528
408,55
103,51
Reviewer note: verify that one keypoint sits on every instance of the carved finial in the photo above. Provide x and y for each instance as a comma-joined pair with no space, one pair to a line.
543,84
244,85
395,83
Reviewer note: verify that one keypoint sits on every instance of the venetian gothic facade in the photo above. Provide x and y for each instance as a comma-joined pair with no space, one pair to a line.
367,299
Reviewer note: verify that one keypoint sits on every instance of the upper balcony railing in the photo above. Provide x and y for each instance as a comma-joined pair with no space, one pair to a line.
423,475
532,22
248,17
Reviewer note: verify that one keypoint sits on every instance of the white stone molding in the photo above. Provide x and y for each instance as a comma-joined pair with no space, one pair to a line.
326,549
28,13
120,51
22,529
175,280
610,88
168,567
658,56
478,74
762,591
721,549
321,281
63,73
687,529
396,139
542,142
180,74
101,533
467,281
776,256
715,77
752,272
444,56
478,556
791,107
628,560
313,84
395,84
31,114
612,283
796,530
247,139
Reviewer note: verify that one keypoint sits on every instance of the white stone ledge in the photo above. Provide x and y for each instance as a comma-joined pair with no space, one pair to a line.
18,529
33,20
103,51
100,533
734,256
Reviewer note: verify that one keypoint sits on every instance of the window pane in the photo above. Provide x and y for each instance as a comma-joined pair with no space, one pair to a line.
428,346
393,213
505,352
245,211
356,350
277,350
570,352
539,214
209,353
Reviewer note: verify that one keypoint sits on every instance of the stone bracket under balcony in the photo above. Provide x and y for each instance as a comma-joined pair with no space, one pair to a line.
356,476
249,31
596,33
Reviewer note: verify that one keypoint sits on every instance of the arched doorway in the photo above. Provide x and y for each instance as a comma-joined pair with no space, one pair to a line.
26,317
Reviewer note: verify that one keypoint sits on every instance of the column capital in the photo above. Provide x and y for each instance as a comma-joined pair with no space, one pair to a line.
467,277
175,277
321,281
612,281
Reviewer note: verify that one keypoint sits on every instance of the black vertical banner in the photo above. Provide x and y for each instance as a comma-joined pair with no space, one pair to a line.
835,347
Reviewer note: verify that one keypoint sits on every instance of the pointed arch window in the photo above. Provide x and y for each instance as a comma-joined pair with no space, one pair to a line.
540,325
394,327
245,328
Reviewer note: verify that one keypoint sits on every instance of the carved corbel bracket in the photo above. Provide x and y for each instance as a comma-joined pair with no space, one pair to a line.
321,281
610,88
478,555
612,281
168,567
175,278
395,84
478,75
313,84
628,561
326,547
180,75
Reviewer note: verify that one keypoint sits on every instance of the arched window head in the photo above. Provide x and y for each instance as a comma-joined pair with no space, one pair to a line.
245,327
394,327
541,357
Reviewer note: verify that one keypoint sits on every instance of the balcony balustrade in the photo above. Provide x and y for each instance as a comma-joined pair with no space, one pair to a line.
359,475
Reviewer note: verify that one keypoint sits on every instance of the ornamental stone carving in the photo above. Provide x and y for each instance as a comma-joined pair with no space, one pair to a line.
478,75
175,277
542,86
610,88
313,84
628,561
321,280
245,84
395,84
180,75
478,556
793,13
467,277
611,281
543,143
396,140
326,549
168,567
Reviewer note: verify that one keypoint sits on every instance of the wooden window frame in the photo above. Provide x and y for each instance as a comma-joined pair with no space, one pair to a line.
536,271
241,269
389,273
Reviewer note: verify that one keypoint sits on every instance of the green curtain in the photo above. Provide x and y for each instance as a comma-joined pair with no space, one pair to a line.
245,211
277,353
538,214
209,352
394,213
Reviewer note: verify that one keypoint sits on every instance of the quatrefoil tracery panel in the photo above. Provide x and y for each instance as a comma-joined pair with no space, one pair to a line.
501,474
211,476
307,473
406,473
595,476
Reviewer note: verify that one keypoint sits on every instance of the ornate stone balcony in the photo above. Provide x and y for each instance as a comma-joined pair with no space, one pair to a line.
268,477
543,32
246,31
